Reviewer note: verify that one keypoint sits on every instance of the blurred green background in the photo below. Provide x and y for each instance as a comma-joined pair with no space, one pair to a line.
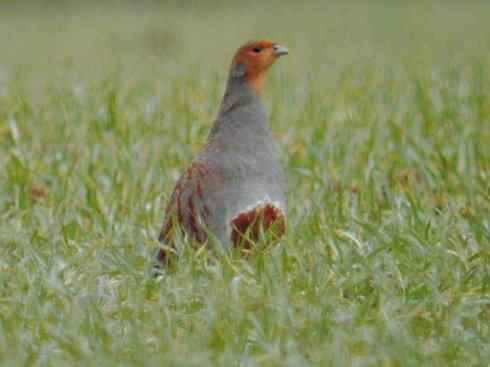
150,36
382,115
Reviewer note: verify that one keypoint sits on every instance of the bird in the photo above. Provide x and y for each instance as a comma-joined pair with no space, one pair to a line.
234,190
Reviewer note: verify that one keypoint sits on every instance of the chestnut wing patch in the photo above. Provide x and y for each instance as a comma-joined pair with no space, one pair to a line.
186,210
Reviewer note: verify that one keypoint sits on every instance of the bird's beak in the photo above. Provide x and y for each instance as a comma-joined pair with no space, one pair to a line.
280,50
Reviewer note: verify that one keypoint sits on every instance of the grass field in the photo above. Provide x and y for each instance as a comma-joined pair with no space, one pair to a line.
382,113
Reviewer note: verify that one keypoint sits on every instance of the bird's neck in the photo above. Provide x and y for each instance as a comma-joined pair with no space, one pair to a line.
239,92
241,107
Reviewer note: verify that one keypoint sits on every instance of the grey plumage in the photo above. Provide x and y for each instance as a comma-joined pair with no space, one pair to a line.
237,170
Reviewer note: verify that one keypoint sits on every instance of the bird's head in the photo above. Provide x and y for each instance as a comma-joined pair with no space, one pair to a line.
253,59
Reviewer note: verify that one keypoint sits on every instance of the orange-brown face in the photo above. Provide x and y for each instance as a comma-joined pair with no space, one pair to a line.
257,57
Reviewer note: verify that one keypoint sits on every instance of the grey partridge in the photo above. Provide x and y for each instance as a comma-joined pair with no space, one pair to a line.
235,188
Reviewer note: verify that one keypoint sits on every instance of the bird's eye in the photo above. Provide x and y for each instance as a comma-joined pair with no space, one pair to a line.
257,49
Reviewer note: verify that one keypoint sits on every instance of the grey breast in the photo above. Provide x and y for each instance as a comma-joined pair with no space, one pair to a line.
245,153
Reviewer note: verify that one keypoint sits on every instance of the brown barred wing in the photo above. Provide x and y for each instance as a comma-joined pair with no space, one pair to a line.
188,210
